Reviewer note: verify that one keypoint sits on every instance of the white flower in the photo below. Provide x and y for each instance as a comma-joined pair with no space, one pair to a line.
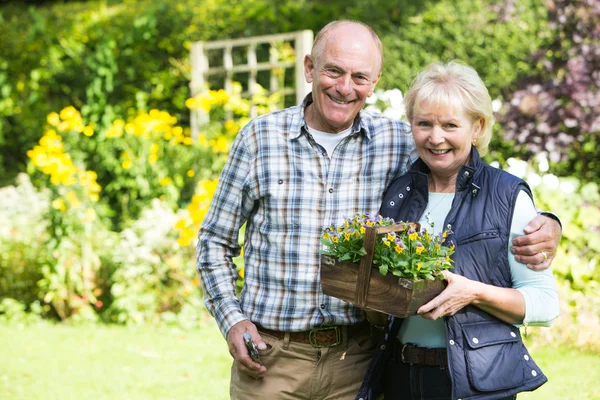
395,98
567,187
534,180
542,159
496,105
551,181
517,167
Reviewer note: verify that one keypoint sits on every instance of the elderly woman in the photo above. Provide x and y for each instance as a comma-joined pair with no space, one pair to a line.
465,343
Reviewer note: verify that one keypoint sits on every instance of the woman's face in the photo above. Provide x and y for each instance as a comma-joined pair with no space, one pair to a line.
444,137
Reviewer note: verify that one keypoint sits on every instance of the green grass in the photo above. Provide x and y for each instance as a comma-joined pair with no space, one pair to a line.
109,362
572,374
99,362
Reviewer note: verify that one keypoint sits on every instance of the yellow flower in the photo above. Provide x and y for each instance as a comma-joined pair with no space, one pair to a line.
399,249
219,145
419,249
88,131
419,265
116,130
241,273
413,236
53,119
190,173
73,199
326,236
59,204
165,181
90,214
334,239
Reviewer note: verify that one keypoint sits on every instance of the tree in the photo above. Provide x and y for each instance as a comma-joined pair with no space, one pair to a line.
557,111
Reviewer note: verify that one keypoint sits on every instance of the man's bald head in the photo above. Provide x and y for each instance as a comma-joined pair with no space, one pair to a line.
330,29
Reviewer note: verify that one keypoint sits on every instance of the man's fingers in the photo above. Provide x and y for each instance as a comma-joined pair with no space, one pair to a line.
541,266
248,367
535,224
538,257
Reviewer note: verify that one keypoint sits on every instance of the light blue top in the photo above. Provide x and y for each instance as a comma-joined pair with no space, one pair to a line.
537,287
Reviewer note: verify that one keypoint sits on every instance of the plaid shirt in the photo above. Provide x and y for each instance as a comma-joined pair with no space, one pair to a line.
284,186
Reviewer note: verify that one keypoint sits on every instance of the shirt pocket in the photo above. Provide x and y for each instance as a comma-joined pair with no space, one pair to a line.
495,356
281,206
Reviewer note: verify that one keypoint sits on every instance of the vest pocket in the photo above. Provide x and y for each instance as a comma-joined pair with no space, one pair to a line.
493,352
489,234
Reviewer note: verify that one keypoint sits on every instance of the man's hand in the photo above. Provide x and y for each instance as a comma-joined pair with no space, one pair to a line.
237,349
537,247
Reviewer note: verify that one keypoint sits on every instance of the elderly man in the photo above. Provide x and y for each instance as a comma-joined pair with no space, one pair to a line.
290,174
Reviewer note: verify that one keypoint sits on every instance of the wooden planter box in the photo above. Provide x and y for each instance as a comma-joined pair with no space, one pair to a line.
363,286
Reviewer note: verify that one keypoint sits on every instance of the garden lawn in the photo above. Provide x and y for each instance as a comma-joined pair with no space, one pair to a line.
110,362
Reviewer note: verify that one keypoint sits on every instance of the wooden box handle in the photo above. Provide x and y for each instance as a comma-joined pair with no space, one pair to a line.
366,261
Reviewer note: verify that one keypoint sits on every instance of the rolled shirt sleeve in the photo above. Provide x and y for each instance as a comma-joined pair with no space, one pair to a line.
218,238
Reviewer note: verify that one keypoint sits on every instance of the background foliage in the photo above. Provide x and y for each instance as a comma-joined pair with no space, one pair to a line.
103,189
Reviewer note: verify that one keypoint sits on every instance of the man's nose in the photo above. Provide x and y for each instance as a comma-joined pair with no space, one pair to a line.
344,84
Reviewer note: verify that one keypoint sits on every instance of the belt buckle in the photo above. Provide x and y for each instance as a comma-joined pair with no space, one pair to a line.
404,346
312,336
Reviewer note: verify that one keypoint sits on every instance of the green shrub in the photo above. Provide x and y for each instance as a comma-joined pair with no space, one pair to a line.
112,59
577,263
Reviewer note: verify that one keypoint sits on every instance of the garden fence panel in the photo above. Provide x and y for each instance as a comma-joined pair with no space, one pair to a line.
301,41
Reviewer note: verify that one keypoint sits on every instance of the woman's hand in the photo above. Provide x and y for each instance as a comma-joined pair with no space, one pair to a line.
459,293
506,304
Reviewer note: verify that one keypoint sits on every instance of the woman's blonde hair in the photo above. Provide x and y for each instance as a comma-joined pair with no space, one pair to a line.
457,86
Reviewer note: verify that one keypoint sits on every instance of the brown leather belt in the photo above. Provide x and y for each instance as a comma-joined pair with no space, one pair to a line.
410,354
326,336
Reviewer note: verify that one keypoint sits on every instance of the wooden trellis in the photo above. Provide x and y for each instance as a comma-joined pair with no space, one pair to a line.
302,43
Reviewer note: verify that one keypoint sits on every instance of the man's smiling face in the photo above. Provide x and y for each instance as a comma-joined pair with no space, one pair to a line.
343,77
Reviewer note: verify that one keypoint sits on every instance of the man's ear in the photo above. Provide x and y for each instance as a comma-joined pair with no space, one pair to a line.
373,85
309,66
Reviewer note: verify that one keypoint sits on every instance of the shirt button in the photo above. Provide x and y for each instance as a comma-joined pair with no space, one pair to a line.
280,181
392,203
400,195
330,190
408,188
382,347
322,306
451,342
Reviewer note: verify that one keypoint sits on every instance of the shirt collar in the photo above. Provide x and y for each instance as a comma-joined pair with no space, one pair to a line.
357,126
